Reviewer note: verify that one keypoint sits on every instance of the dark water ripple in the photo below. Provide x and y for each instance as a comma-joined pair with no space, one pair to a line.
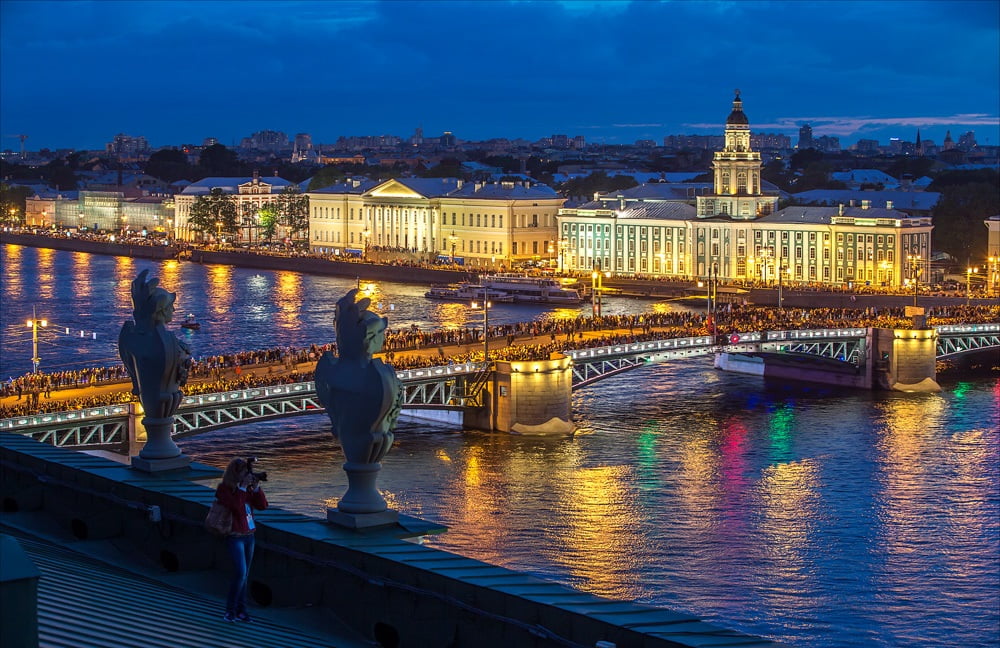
819,517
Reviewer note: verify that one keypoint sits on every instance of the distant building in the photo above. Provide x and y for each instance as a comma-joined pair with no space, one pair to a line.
770,141
480,224
805,137
127,148
266,140
967,141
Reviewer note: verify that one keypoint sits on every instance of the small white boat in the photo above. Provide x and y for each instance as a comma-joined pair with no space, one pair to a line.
467,292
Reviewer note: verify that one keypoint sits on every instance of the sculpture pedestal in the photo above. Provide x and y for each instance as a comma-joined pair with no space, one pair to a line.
159,453
160,465
159,445
361,495
362,520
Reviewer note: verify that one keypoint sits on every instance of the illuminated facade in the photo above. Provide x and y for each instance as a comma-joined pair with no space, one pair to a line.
736,174
482,224
736,234
108,211
249,194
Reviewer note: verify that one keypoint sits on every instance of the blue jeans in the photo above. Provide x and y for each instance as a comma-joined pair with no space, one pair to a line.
241,554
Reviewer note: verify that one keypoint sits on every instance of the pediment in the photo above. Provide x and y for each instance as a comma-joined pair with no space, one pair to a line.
394,189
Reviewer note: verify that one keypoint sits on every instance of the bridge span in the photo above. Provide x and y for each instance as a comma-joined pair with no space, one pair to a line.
471,387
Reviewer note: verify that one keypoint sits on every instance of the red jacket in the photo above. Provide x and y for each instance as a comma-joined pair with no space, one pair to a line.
241,503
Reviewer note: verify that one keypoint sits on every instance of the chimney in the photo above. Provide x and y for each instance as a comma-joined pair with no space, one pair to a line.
596,194
865,204
888,204
852,202
459,183
840,209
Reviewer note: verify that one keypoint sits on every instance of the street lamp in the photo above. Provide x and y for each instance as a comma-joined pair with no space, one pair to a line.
486,322
33,324
992,279
563,244
452,239
968,283
218,233
596,288
366,233
914,260
552,254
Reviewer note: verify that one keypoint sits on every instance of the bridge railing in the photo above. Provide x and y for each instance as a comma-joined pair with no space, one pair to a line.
70,417
968,328
813,334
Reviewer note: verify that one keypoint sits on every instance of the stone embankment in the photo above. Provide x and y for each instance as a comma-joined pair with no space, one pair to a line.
685,291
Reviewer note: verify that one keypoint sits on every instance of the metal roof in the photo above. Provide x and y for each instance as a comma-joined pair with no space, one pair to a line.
84,601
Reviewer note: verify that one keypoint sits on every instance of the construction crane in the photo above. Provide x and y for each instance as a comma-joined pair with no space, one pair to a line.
22,138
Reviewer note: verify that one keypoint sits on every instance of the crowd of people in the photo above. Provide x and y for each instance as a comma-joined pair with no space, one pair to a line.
279,365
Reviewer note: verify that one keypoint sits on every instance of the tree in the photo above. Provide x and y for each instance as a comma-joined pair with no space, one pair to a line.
267,221
292,208
218,161
170,165
326,177
214,213
597,182
959,216
12,204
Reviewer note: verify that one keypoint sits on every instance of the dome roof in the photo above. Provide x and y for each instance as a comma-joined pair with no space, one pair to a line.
737,117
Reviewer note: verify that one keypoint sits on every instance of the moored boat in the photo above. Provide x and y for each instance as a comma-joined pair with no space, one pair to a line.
532,290
467,292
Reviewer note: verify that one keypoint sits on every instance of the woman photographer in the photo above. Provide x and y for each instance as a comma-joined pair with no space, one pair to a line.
240,493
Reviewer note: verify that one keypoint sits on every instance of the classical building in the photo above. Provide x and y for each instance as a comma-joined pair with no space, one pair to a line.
736,174
249,194
736,234
480,224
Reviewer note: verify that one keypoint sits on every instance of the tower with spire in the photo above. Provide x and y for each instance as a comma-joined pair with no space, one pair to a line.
736,174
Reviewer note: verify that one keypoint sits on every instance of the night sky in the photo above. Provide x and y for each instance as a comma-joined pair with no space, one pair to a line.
73,74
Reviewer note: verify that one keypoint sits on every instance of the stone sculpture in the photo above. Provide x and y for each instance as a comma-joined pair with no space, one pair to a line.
158,363
362,397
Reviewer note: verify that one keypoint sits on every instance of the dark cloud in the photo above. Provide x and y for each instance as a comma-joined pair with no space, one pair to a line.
180,71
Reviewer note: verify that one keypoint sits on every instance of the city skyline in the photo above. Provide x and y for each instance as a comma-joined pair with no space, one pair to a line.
613,72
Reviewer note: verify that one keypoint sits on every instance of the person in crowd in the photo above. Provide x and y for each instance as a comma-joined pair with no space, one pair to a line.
240,492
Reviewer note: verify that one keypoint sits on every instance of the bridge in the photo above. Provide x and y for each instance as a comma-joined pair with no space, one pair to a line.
464,387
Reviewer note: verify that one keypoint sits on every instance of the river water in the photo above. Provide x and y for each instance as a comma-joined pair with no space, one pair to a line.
815,516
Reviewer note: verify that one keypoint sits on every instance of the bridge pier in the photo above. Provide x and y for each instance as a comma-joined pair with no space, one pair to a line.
527,397
905,359
893,359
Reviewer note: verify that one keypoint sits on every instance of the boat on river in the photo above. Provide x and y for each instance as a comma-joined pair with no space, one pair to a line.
532,290
190,323
468,292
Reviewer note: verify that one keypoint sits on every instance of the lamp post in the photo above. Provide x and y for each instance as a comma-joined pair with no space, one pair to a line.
992,278
914,260
552,254
364,252
218,233
563,244
596,288
452,239
33,324
486,322
781,271
968,283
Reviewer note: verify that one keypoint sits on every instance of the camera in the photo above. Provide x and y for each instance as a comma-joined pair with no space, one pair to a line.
259,476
